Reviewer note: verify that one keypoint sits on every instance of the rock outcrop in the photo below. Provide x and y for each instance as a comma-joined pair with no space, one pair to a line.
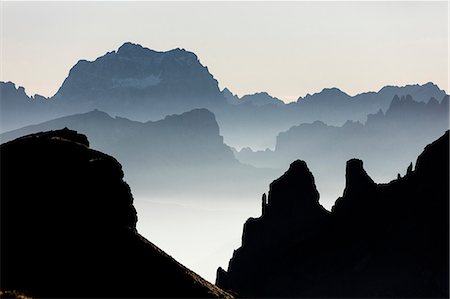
380,240
68,226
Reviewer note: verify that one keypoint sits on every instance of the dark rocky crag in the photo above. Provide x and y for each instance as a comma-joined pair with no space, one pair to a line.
380,240
68,226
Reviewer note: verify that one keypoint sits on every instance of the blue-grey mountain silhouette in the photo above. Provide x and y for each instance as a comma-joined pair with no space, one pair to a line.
260,99
143,84
182,152
380,240
140,83
183,159
17,109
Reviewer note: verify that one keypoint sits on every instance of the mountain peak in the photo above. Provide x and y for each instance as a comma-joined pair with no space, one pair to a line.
333,91
359,188
327,94
356,178
129,46
295,192
122,80
261,99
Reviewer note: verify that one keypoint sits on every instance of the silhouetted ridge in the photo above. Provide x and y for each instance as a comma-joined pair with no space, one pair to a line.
292,204
68,226
358,184
63,135
381,240
426,165
294,192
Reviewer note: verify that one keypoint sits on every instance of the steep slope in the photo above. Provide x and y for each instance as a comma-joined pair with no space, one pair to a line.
68,226
388,240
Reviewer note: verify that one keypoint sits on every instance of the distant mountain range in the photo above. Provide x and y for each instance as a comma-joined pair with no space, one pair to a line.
142,84
181,151
180,139
386,142
68,227
379,241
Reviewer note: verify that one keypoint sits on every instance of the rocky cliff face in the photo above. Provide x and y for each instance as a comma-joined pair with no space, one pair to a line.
68,226
293,197
389,240
140,83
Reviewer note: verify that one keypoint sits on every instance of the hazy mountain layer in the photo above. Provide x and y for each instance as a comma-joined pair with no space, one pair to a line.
179,156
68,227
386,142
143,84
379,241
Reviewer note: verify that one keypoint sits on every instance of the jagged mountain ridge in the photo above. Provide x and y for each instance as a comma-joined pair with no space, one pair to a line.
143,84
68,227
386,141
139,78
380,240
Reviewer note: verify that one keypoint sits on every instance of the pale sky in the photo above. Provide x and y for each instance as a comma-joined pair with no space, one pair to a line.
288,49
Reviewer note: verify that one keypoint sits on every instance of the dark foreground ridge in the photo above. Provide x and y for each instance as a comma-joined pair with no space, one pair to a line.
68,227
380,240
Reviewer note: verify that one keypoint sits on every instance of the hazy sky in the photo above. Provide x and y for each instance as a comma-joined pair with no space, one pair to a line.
287,49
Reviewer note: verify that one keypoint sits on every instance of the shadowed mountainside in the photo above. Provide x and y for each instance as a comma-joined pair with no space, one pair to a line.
68,226
380,240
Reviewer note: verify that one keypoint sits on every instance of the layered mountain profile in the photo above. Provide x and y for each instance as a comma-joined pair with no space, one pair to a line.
379,240
169,157
142,84
386,142
255,120
365,103
181,174
68,227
